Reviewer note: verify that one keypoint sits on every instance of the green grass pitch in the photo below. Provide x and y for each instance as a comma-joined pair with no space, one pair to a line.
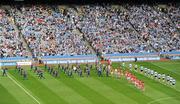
91,90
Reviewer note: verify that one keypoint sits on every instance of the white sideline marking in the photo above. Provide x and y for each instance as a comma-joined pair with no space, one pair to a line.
160,99
24,89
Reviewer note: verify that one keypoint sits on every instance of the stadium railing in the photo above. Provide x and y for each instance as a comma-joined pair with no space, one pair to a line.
171,55
132,56
69,59
11,61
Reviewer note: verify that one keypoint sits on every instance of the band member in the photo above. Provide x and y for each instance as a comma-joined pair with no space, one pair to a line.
4,72
100,71
25,74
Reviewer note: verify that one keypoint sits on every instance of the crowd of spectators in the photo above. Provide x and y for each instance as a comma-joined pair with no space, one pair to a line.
49,30
10,44
174,13
155,27
109,31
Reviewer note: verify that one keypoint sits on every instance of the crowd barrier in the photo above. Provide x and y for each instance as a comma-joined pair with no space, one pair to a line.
11,61
14,59
69,59
173,53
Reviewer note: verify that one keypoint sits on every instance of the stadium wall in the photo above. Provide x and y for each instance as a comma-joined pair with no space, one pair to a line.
12,61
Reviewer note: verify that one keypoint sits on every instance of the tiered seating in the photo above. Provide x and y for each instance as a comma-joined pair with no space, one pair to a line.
49,31
10,44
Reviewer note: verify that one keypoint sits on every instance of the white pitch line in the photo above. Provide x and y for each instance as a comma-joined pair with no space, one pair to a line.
160,99
24,89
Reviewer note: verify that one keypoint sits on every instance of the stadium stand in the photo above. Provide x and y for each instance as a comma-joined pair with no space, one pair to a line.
50,30
10,42
155,27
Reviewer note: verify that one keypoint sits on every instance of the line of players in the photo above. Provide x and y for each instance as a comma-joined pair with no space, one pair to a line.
118,73
152,74
134,80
